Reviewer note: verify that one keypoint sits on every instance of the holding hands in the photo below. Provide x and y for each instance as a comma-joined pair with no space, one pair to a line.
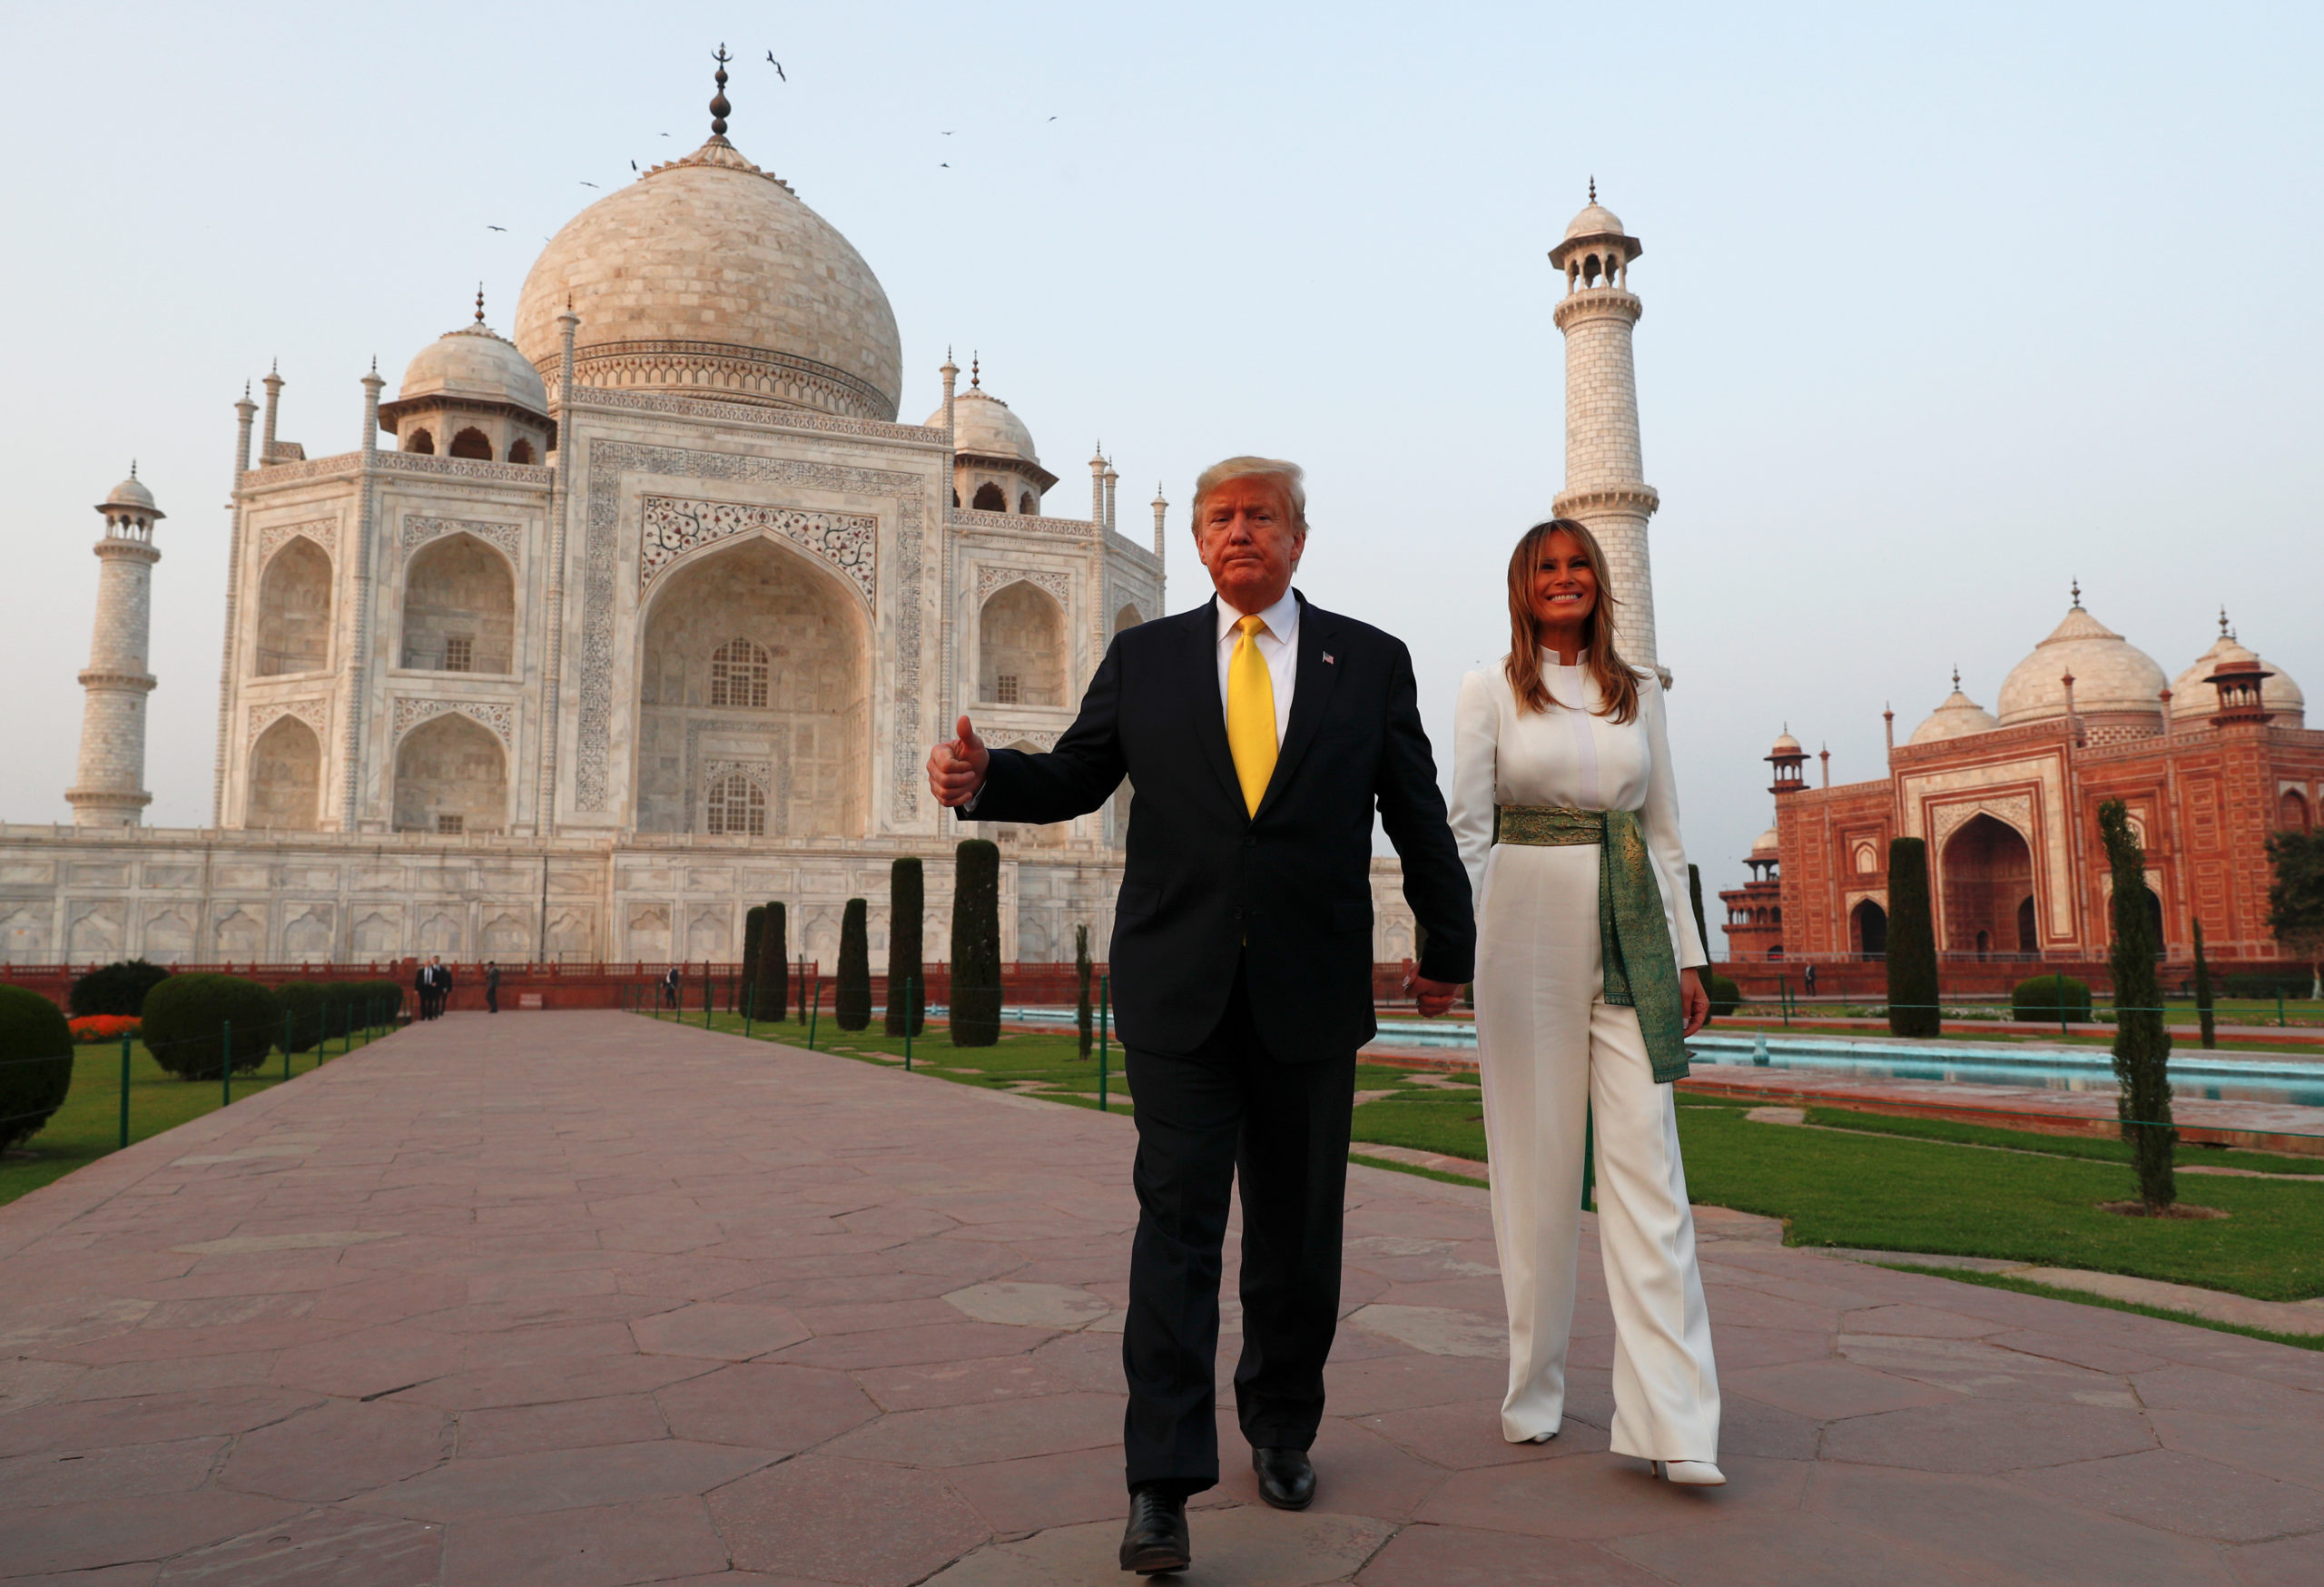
956,767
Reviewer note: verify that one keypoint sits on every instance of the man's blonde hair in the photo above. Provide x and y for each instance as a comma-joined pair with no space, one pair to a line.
1290,476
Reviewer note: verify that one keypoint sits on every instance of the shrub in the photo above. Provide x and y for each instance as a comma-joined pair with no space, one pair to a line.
976,943
2141,1045
115,989
2284,984
851,997
1725,997
301,1002
773,966
35,1062
906,975
1912,943
753,944
2206,1015
379,1002
186,1016
2047,999
1081,1014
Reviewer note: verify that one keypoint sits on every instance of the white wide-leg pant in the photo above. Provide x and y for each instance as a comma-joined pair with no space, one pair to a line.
1548,1044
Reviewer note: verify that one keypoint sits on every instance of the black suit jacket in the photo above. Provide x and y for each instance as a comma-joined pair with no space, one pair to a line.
1289,888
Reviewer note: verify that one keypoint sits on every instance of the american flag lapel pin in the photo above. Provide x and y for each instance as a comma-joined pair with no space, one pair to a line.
1327,659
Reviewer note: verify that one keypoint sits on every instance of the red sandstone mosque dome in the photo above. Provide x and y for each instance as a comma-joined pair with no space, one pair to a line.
708,276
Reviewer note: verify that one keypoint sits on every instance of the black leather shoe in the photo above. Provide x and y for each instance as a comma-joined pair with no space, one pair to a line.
1154,1541
1287,1480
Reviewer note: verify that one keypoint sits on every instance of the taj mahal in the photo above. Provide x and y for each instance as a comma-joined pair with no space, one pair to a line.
607,629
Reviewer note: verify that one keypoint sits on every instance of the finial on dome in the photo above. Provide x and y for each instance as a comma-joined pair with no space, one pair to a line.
1957,678
2222,622
1593,190
2077,592
719,109
133,468
976,372
480,302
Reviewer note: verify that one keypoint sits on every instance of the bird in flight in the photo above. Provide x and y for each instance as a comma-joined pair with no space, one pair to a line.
492,228
588,184
945,134
633,165
777,65
1052,118
944,165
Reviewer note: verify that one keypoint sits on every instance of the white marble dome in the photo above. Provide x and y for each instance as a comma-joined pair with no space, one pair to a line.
983,425
1766,846
708,277
2112,677
1595,220
1784,745
477,362
1956,718
131,493
2193,699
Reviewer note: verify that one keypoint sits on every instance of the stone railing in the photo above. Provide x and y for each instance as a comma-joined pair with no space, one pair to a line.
743,411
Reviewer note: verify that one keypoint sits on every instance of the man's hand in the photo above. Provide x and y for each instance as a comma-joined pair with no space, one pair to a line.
956,768
1433,996
1693,1001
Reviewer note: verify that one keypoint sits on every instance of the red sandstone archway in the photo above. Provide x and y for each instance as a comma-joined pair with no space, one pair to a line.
1987,875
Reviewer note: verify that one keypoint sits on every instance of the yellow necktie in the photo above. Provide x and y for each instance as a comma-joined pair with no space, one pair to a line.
1250,715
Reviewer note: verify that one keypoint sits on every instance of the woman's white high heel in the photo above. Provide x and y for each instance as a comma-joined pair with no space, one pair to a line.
1696,1473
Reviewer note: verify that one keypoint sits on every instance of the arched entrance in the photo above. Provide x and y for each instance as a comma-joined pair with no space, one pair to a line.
294,610
1868,927
1020,649
452,777
459,608
754,674
1988,872
286,775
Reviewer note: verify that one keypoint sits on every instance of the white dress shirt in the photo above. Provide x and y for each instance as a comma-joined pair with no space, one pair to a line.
1278,644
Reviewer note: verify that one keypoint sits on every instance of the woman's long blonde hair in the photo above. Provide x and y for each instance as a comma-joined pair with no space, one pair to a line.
1616,684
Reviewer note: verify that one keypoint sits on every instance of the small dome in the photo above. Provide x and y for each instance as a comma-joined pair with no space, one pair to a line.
1595,219
2110,675
2193,700
131,493
1784,745
476,363
982,424
1956,718
1764,846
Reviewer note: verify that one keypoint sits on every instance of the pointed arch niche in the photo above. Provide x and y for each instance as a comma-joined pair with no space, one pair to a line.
1987,880
286,778
1021,648
294,610
459,608
755,655
452,777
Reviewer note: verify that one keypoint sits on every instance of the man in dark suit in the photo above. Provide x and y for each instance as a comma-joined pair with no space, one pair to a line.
1261,734
424,985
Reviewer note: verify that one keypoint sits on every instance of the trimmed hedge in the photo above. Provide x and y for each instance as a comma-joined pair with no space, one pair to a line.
851,998
302,1015
753,944
2293,983
115,989
35,1062
976,943
185,1017
1912,943
773,966
906,975
2047,999
1725,997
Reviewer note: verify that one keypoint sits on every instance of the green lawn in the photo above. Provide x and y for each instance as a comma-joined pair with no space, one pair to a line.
1895,1185
89,1124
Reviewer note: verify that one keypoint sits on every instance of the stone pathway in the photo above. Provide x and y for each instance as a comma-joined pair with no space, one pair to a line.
578,1299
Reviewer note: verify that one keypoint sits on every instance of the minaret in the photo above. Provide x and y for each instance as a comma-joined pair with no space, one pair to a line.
111,788
1111,479
1605,486
1160,508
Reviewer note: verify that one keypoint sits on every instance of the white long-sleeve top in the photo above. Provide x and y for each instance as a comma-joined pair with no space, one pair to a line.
1568,755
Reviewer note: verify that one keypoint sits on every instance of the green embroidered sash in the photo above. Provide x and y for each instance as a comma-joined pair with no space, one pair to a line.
1633,933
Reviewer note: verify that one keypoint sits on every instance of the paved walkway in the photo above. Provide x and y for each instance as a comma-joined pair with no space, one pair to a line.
578,1299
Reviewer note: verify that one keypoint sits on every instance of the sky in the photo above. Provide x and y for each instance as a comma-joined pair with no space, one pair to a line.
1945,305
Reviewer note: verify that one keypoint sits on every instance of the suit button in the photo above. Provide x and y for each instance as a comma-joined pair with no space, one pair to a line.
1238,912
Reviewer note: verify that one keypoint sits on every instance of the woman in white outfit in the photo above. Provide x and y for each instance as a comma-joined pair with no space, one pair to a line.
1567,815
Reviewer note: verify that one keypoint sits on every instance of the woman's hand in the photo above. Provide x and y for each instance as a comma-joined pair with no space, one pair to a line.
1693,1001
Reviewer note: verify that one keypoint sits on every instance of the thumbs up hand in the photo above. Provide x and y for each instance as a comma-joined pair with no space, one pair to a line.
956,768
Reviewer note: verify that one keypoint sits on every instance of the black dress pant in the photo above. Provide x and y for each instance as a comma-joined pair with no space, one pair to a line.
1205,1119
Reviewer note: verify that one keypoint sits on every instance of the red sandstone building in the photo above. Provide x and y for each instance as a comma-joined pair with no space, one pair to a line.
2008,805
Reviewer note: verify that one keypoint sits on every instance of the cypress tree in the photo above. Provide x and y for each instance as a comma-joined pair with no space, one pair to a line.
851,994
2204,1003
1912,943
976,943
772,966
2141,1046
907,978
753,938
1083,1018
